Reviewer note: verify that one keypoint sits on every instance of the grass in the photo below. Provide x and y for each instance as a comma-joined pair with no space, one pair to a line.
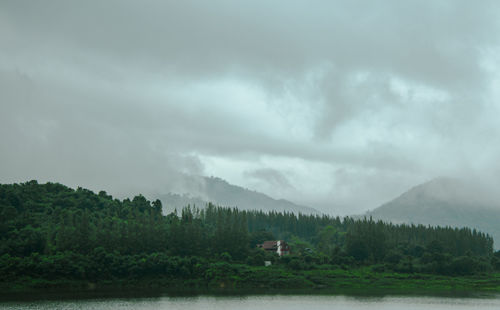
246,278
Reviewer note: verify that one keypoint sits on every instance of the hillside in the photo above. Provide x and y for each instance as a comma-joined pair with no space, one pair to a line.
444,202
202,190
53,236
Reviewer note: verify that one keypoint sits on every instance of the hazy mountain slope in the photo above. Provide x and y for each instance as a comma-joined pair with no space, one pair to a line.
222,193
173,201
444,202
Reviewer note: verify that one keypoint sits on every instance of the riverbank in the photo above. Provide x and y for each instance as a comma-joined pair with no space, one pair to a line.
242,278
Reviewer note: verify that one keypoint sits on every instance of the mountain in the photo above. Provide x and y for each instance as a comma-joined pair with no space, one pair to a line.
201,190
445,202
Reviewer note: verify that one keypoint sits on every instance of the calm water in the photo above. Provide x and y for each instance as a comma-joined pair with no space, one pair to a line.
310,302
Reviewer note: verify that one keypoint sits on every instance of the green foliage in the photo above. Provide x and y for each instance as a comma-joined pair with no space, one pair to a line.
327,239
50,231
258,237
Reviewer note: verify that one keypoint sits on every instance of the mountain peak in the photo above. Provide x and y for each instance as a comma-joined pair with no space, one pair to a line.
220,192
444,201
441,188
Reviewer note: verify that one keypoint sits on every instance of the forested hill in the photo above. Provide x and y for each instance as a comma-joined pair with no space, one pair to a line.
200,191
444,202
51,231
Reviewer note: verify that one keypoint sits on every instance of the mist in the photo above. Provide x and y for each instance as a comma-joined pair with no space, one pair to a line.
336,105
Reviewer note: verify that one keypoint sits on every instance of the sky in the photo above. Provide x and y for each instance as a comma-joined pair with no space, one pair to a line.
338,105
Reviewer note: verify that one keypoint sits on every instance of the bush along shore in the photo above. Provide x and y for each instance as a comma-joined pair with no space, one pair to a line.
53,236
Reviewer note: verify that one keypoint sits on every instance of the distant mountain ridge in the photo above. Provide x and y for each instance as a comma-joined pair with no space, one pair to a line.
444,202
219,192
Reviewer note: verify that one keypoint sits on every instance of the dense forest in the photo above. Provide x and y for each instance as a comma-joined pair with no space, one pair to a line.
50,231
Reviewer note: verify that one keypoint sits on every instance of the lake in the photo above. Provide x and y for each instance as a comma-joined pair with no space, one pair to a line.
261,302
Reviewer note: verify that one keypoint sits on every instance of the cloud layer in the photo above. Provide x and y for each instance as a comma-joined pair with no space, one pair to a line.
340,105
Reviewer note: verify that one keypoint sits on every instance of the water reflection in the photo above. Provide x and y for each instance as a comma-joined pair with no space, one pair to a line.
260,302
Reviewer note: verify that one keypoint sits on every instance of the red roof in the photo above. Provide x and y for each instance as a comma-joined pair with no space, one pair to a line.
269,245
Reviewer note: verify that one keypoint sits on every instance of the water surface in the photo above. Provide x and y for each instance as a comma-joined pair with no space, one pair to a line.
261,302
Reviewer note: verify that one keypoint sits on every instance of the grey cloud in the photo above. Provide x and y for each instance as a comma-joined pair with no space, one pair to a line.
54,134
199,36
88,90
272,177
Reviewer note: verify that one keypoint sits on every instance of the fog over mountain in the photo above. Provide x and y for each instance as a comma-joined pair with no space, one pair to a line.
445,202
219,192
337,105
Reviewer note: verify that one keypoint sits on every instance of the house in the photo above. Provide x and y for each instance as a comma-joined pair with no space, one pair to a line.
278,246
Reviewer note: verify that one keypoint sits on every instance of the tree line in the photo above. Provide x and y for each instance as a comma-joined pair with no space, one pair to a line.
52,231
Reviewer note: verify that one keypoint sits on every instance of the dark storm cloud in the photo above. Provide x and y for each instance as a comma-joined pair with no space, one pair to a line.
352,95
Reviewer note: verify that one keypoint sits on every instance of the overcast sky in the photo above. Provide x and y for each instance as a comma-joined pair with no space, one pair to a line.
339,105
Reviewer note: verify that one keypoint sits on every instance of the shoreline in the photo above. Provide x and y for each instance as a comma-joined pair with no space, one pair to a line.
315,282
